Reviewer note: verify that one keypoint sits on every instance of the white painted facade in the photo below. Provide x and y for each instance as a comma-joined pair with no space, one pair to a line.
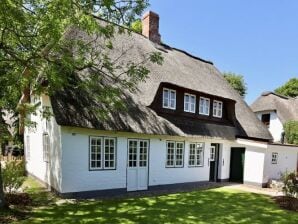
68,167
275,127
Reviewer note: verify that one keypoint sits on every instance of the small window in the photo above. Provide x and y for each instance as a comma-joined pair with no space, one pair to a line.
196,154
169,99
175,154
102,153
217,108
266,119
28,148
204,106
46,147
212,153
189,103
274,158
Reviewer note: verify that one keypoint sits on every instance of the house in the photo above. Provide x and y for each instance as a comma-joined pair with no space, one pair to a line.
274,111
183,125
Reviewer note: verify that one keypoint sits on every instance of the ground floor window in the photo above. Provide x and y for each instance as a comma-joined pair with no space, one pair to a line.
46,147
138,153
175,154
196,154
274,158
102,153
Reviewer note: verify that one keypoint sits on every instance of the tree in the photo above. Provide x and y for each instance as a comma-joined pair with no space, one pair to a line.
137,26
37,47
237,82
290,88
291,132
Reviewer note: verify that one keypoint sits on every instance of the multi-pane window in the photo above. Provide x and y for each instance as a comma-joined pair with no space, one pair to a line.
196,154
204,106
212,153
217,108
132,153
175,154
169,99
28,147
189,103
102,153
109,153
138,153
274,158
143,153
46,147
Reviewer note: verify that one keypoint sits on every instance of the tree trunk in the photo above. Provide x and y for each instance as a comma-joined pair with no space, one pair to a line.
3,203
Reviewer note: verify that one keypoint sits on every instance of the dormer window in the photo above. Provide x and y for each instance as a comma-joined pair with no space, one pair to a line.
189,103
169,99
204,106
217,108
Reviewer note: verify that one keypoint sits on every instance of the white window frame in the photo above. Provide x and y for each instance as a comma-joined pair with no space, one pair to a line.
46,147
28,147
212,153
217,110
188,105
199,146
169,99
204,99
274,158
175,159
102,154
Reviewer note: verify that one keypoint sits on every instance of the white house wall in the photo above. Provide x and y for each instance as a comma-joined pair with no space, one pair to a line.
77,177
48,172
286,161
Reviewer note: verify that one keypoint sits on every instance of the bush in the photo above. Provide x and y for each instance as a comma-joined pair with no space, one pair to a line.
13,175
291,132
290,187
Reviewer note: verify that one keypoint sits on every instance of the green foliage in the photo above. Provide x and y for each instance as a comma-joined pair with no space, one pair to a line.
291,132
290,88
38,45
290,181
237,82
13,175
137,26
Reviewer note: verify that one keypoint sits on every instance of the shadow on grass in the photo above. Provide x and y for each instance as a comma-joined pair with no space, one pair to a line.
206,206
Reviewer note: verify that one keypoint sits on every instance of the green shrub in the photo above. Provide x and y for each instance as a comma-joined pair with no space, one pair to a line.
290,181
291,132
13,176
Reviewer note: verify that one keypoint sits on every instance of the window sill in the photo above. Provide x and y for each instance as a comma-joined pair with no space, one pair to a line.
190,166
101,169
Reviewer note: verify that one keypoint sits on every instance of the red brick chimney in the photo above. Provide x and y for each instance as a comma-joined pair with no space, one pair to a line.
150,26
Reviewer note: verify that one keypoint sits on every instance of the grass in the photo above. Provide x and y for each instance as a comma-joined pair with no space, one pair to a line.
220,205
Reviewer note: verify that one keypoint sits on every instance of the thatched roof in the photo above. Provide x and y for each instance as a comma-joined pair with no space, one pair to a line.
179,68
285,107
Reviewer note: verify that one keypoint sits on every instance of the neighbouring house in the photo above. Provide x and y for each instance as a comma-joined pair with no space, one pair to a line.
183,125
274,111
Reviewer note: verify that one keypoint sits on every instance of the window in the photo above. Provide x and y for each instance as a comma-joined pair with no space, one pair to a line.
102,153
175,154
196,154
189,103
266,119
169,99
212,153
46,147
217,108
204,106
138,153
28,148
274,158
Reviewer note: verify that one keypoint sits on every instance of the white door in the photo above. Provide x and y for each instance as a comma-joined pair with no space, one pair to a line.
137,165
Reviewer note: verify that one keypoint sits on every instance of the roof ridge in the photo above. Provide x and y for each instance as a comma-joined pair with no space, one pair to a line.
161,44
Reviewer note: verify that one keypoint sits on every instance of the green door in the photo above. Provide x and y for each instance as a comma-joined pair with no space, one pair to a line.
237,164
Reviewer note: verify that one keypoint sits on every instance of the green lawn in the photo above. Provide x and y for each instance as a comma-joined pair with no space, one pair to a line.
219,205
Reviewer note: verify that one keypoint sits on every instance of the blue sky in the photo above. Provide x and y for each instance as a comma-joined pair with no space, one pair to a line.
255,38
